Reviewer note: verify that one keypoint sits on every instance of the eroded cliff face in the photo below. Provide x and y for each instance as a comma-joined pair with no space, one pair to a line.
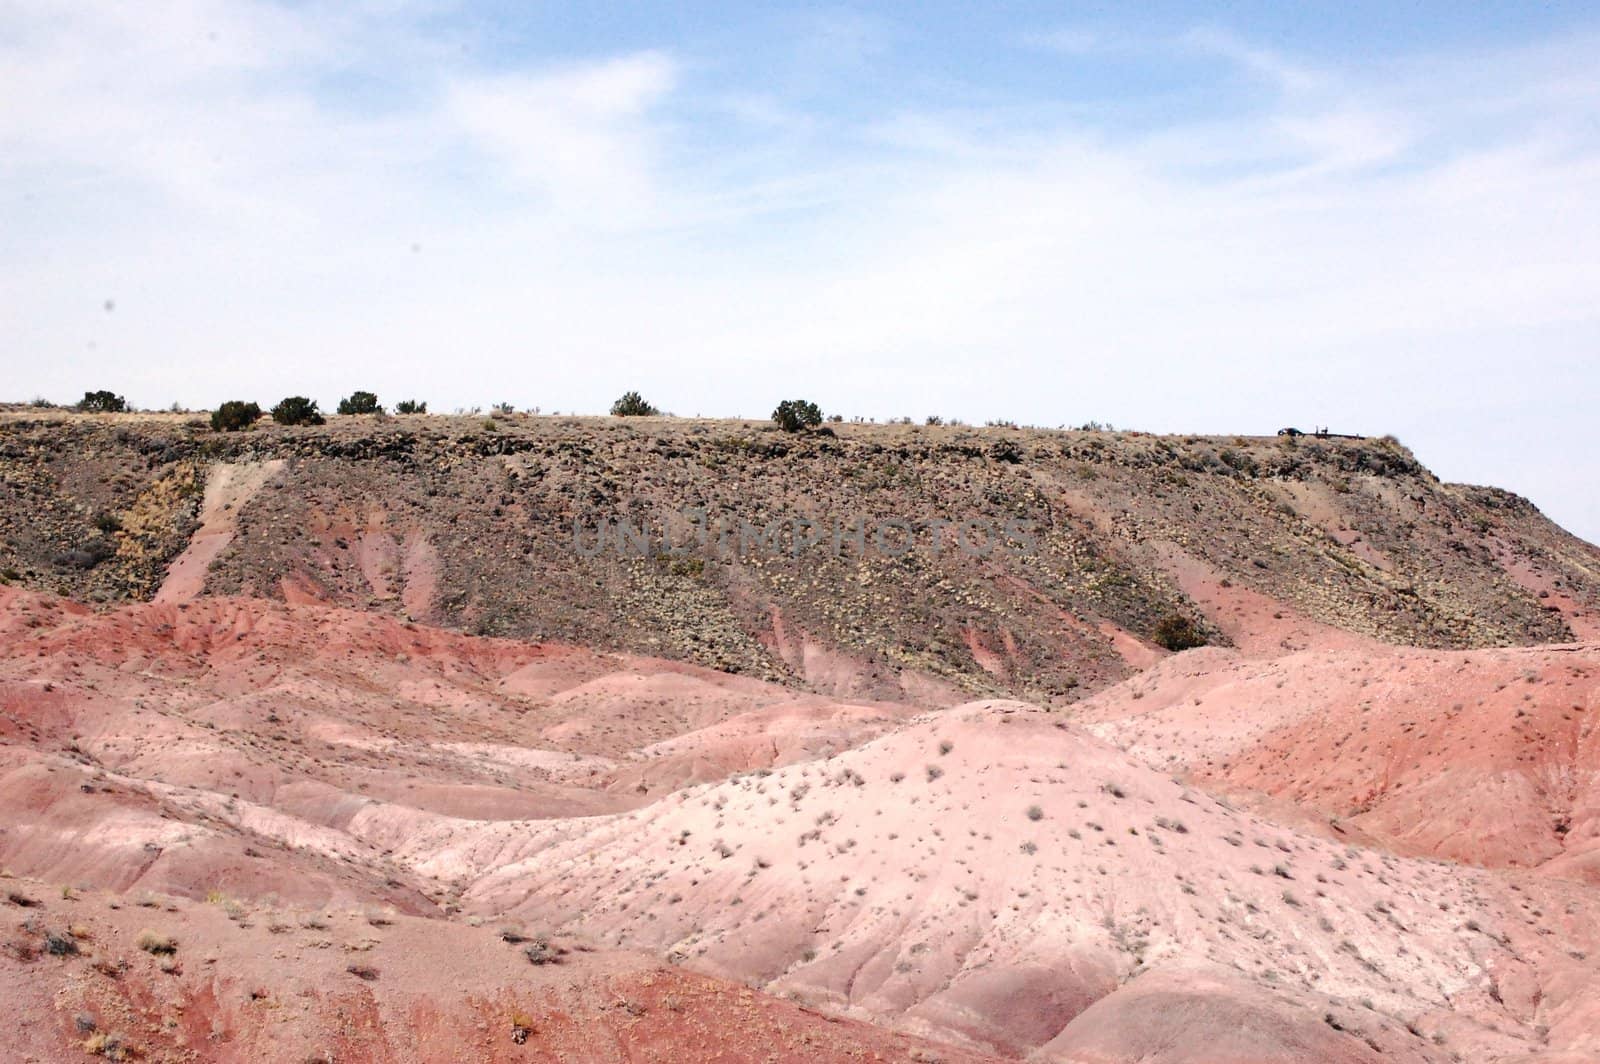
1080,545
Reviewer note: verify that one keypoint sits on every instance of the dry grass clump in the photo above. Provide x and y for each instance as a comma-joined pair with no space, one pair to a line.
161,945
541,951
110,1046
60,944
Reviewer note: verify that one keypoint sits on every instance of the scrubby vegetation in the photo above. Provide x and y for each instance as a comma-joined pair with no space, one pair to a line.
793,415
1177,632
540,951
360,403
159,944
235,415
632,404
410,406
102,402
297,410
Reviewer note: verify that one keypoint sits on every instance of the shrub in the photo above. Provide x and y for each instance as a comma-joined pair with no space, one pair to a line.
541,951
110,1046
792,415
102,402
1177,632
151,942
60,945
632,404
1035,813
410,406
297,410
234,415
360,403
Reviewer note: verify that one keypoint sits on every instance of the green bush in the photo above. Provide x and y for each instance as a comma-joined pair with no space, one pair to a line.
297,410
632,404
234,415
410,406
793,415
102,403
1177,632
360,403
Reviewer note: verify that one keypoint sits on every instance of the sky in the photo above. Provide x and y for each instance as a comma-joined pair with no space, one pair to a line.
1379,217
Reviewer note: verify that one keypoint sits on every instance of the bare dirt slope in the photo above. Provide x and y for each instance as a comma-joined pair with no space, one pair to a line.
90,975
1269,544
1485,756
230,744
989,876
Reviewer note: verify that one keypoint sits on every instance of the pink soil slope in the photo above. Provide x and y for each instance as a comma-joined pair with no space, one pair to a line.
990,876
1486,756
299,794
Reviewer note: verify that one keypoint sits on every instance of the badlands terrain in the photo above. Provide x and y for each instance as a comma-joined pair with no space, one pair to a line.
325,744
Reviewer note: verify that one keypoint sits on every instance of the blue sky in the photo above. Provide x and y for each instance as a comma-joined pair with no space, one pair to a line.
1382,217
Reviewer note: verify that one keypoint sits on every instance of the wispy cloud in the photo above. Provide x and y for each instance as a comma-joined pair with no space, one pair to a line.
1277,69
582,134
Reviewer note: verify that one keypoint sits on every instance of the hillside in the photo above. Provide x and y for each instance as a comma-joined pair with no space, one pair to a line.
268,731
990,876
370,697
171,980
1263,543
1485,756
380,802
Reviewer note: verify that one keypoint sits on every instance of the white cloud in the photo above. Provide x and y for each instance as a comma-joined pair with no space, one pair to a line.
581,134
